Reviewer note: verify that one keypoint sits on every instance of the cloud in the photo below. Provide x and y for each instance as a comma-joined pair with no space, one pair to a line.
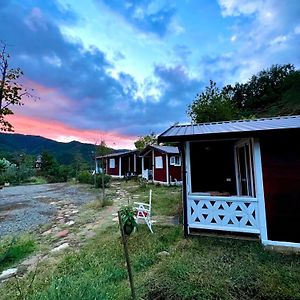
64,133
264,33
147,16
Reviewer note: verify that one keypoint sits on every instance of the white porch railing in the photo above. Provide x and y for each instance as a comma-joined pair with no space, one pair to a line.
239,214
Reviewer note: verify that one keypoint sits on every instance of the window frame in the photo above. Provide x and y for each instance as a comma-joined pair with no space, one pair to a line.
159,162
112,163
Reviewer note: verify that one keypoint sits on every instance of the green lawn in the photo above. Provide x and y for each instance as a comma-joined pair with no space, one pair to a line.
166,200
197,268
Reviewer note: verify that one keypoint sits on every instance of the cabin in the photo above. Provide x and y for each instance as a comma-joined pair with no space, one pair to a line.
242,177
161,164
126,163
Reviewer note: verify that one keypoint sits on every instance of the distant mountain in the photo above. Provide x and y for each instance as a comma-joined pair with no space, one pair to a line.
34,145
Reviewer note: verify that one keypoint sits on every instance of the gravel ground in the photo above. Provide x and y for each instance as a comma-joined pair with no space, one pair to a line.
26,207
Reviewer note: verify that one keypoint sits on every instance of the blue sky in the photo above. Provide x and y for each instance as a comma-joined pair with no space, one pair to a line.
115,70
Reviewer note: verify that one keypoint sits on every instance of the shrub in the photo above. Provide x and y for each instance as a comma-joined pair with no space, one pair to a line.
85,177
107,180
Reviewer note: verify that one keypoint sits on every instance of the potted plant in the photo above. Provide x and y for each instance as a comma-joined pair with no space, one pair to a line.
128,220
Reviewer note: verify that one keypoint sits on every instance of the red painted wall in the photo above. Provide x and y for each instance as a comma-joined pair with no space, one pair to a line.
113,171
160,174
281,175
174,171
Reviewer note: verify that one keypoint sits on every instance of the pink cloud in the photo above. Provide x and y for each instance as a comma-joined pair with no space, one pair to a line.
61,132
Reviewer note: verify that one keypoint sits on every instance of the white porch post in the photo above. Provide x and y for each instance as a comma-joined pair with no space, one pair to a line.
134,163
187,179
260,191
188,168
153,165
96,165
167,169
120,166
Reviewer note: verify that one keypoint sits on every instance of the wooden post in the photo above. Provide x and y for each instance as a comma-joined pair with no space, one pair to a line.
128,265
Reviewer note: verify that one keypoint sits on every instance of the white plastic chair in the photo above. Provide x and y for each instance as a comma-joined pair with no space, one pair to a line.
143,211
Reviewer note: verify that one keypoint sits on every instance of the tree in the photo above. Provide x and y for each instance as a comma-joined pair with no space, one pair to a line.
102,150
271,92
212,105
11,91
146,140
262,90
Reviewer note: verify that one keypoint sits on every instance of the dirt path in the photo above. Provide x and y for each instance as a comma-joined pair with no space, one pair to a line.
24,208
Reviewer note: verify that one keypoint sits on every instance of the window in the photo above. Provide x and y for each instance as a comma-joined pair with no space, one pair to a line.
112,164
158,162
244,169
212,168
175,161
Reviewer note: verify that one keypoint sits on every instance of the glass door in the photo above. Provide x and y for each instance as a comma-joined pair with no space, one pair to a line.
244,168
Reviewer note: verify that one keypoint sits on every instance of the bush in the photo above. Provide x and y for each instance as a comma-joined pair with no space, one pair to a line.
107,180
87,177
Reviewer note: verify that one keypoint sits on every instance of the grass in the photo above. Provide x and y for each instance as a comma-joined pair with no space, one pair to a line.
197,268
166,200
14,250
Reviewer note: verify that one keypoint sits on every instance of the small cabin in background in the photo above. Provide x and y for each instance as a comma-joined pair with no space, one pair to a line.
161,164
121,164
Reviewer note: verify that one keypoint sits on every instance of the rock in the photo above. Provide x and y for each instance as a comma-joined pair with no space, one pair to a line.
8,273
61,247
62,233
70,223
62,221
116,219
47,232
90,234
163,254
75,211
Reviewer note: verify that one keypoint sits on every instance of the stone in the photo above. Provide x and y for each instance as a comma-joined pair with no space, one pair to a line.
31,261
90,234
62,233
62,221
8,273
116,219
163,254
61,247
47,232
70,223
75,211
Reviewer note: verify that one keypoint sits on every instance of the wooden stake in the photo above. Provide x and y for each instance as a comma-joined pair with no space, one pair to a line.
128,265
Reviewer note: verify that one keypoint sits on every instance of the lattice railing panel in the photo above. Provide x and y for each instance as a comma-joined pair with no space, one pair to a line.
233,215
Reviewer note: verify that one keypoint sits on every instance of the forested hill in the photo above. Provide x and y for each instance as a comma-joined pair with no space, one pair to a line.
13,144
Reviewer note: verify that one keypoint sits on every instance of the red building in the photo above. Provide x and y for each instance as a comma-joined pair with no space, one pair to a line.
242,176
122,163
161,164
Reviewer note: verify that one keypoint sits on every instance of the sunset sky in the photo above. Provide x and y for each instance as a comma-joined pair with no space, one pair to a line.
117,69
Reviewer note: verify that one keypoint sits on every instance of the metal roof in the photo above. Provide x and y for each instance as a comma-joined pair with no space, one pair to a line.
166,149
275,123
117,153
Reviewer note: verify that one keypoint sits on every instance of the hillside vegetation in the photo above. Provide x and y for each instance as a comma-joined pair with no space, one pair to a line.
271,92
65,153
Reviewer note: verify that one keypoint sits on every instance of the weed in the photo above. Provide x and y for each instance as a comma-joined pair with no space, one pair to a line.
13,250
